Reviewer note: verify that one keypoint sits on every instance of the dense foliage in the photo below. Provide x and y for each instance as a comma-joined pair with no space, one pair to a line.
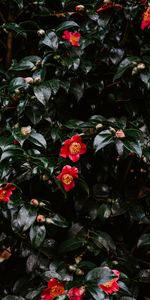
74,149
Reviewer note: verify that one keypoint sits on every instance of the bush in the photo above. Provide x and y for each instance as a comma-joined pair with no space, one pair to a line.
75,149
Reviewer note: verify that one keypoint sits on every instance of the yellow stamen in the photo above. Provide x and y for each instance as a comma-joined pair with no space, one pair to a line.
67,179
74,148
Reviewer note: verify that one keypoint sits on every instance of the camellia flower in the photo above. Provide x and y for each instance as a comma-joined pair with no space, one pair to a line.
67,176
112,285
76,293
72,37
146,19
55,288
6,192
72,148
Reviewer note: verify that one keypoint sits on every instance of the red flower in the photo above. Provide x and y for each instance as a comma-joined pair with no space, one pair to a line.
111,286
72,37
76,293
67,176
107,6
146,19
6,192
72,148
55,288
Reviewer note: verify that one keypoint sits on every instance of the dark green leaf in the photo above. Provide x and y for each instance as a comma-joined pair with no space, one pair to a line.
37,235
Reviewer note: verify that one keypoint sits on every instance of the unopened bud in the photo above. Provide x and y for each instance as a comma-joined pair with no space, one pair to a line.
134,71
41,32
45,177
120,134
141,66
99,126
17,92
37,79
28,80
114,262
34,202
107,1
80,8
79,272
40,219
48,221
26,130
78,259
72,268
42,204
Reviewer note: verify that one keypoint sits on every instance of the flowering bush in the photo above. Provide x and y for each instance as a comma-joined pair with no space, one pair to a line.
74,150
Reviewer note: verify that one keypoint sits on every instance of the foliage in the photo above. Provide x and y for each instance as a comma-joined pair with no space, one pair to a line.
74,72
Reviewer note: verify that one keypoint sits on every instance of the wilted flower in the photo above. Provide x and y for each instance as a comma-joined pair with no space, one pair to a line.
73,148
67,176
112,285
120,134
72,37
6,192
55,288
76,293
145,23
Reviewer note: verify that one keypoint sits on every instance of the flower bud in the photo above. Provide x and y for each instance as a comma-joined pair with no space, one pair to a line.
120,134
141,66
48,221
99,126
45,177
26,130
72,268
80,8
40,219
41,32
134,71
42,204
79,272
34,202
37,79
28,80
17,92
78,259
107,1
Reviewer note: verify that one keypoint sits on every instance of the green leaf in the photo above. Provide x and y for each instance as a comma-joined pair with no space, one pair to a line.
10,297
42,92
17,83
102,140
99,275
50,39
37,139
59,221
26,218
37,235
66,25
103,239
96,292
133,146
104,211
144,240
70,245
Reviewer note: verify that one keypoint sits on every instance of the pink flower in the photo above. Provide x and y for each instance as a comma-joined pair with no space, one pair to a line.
72,37
67,176
120,134
76,293
73,148
112,285
6,192
55,288
146,19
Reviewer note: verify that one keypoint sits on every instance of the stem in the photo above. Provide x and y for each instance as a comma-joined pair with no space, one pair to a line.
9,49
